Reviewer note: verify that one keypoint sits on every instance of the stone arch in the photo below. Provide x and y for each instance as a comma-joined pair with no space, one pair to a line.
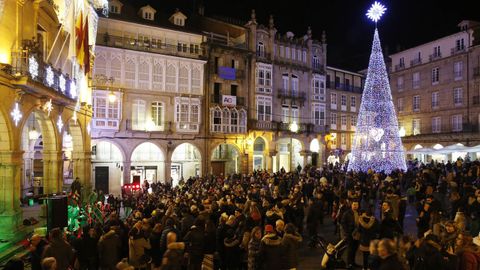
79,152
259,154
289,154
42,158
186,161
223,160
108,166
149,161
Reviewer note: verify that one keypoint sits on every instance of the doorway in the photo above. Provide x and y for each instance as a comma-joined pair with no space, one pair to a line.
101,179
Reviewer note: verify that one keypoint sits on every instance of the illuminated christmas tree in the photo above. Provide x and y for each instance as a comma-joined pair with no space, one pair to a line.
377,144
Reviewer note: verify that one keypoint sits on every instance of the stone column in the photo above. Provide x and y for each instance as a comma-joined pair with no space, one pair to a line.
82,167
167,171
271,154
10,178
52,172
126,171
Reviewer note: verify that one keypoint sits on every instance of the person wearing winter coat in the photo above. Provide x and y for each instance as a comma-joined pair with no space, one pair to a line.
87,252
271,250
194,241
468,253
389,227
36,248
232,250
109,249
368,229
349,224
254,249
137,245
448,235
388,255
291,243
60,249
173,257
155,238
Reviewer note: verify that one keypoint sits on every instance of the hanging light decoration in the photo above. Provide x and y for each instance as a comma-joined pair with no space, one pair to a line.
48,107
33,134
33,67
49,76
16,114
73,89
294,127
62,83
60,123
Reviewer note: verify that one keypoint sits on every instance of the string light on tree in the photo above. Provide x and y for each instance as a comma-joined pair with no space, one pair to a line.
377,144
16,114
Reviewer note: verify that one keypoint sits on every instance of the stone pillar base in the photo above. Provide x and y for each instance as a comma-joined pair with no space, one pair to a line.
10,223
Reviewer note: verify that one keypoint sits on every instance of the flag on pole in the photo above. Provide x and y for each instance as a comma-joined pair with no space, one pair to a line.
81,42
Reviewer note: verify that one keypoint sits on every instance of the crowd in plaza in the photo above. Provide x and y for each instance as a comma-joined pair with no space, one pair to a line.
261,220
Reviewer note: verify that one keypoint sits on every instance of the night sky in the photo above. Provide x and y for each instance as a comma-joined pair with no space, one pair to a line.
407,23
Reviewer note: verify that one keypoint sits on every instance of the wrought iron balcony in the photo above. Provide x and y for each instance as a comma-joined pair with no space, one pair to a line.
457,50
399,66
28,63
150,45
416,61
435,56
294,95
285,127
263,56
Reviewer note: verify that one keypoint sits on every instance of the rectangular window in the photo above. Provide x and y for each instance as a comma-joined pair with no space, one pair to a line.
353,103
333,101
287,52
343,100
400,83
460,44
333,119
436,124
435,75
157,113
343,139
458,96
304,57
400,104
458,70
285,114
318,111
353,121
343,121
416,103
435,100
187,114
457,122
138,114
436,51
295,114
233,89
264,108
263,80
416,80
416,126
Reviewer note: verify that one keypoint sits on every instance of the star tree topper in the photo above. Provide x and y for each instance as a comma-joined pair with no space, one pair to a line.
376,11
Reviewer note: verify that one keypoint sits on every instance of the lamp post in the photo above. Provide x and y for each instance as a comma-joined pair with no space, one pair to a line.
294,129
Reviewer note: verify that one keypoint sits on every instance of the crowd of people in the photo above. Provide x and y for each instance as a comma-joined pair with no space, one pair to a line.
262,220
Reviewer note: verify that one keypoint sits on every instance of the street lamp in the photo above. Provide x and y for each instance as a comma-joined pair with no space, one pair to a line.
112,97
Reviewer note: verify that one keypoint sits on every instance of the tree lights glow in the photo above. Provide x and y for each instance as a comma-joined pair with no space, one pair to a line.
33,67
376,11
377,144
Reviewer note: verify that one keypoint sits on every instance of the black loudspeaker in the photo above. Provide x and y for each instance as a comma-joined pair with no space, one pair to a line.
57,212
